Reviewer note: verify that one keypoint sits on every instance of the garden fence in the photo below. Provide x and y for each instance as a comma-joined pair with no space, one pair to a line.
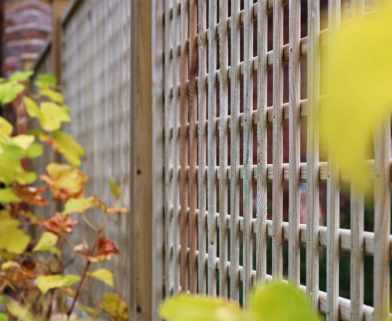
201,109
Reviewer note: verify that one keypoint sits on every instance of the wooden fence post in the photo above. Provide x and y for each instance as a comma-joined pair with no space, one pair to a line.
146,160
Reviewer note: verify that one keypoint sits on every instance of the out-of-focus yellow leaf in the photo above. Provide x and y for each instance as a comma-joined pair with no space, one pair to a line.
46,81
5,127
54,95
115,189
103,275
47,243
31,107
280,301
9,90
12,238
114,306
79,205
19,312
359,97
23,141
66,145
48,282
22,75
199,308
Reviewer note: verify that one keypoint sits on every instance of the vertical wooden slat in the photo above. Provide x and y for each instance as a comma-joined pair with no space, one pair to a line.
223,147
234,151
294,139
211,141
183,147
248,145
192,144
357,255
357,232
277,152
201,133
313,206
382,222
261,205
168,142
333,205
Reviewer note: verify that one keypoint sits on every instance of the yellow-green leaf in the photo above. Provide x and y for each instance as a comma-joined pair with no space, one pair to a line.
52,116
54,95
115,189
12,238
115,306
5,127
47,243
9,90
103,275
7,195
199,308
79,205
23,141
280,301
359,96
68,147
31,107
23,75
48,282
18,311
46,80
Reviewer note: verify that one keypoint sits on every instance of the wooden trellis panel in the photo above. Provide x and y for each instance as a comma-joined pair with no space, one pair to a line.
247,195
96,78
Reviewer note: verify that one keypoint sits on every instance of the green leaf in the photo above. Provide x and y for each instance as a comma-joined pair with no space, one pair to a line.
3,317
46,80
103,275
20,312
31,107
55,96
280,301
47,243
68,147
48,282
79,205
52,116
7,195
199,308
5,127
115,189
114,306
21,75
11,171
9,90
34,151
12,238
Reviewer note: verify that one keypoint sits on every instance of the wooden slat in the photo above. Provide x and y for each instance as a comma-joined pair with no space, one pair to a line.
277,185
261,198
333,205
183,146
247,147
211,141
313,206
382,222
201,182
192,144
223,148
234,150
294,140
168,191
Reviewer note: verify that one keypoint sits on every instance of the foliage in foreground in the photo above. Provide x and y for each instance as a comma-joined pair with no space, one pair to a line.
34,284
275,301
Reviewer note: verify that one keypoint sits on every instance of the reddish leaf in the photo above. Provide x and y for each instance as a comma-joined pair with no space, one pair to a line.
31,195
59,224
102,251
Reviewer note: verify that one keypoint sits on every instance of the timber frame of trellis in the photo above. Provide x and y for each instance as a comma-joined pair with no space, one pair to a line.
220,97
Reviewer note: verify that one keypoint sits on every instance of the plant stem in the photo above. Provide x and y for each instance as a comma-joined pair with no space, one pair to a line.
78,290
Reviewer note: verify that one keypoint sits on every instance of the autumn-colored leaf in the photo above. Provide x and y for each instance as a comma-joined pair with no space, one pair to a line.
103,275
103,250
52,116
31,195
19,311
66,145
48,282
7,195
9,90
59,224
65,181
5,127
114,306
